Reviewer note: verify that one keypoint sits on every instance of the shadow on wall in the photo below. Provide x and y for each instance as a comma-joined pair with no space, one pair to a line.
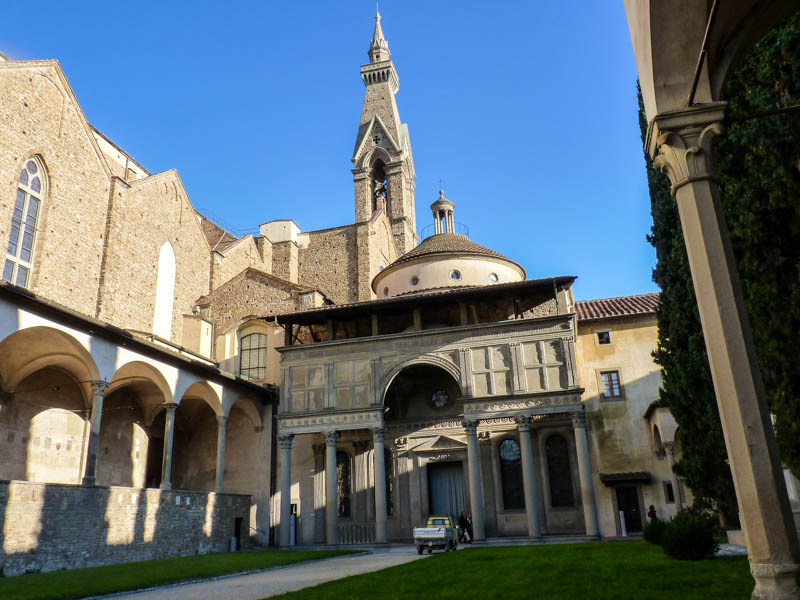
58,526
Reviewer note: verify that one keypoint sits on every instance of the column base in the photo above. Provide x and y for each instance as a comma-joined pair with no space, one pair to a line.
88,481
165,486
775,581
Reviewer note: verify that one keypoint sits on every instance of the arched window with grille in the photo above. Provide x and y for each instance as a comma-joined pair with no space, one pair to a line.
343,487
31,188
511,475
558,472
253,357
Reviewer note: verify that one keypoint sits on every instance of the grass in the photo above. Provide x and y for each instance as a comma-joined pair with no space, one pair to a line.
593,571
92,581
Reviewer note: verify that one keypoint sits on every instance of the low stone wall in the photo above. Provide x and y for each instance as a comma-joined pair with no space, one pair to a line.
46,527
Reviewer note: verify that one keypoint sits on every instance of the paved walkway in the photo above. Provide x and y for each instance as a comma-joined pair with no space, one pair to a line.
275,581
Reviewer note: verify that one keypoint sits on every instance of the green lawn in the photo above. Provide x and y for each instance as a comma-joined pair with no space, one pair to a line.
77,583
594,571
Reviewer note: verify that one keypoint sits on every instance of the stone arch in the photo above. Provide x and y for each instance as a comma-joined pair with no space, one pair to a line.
203,391
149,381
378,153
29,350
249,408
426,359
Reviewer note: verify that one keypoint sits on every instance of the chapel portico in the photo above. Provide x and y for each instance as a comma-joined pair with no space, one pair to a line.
484,415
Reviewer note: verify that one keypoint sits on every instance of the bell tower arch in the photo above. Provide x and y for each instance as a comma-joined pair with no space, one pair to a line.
383,173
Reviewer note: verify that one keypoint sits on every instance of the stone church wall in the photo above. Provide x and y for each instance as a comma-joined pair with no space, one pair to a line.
235,259
39,117
59,526
329,261
144,216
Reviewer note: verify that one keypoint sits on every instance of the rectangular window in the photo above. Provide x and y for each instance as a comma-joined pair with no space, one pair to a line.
611,387
253,357
669,493
603,338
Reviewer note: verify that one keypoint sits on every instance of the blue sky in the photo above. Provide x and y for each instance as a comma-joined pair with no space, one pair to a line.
526,111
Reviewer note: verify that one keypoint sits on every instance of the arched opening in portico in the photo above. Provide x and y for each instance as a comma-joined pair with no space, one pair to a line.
422,391
45,405
130,445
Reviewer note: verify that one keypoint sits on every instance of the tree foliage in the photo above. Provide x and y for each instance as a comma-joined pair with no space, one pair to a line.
760,191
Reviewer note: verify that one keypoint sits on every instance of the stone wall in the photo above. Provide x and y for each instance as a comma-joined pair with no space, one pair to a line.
39,116
329,262
145,215
236,258
58,526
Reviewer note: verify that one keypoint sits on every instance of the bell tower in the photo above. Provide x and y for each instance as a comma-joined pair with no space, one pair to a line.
383,173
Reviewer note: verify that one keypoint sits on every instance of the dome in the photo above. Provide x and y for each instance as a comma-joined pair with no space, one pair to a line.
445,260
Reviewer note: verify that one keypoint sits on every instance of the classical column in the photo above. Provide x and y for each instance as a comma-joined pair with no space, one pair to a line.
681,143
585,473
285,443
331,496
221,422
528,475
380,487
676,484
98,392
475,483
169,437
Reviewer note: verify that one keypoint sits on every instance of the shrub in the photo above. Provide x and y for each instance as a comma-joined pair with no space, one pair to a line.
689,536
654,530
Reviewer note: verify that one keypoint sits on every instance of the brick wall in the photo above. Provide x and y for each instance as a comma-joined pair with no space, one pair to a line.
59,526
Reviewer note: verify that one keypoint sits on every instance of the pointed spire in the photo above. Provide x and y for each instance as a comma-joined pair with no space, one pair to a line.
378,47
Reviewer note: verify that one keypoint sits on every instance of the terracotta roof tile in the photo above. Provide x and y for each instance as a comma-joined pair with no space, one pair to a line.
622,306
446,243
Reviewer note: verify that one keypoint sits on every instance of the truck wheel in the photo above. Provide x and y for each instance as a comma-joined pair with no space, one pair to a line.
419,549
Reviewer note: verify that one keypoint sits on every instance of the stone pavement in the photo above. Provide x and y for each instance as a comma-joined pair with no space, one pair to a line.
271,582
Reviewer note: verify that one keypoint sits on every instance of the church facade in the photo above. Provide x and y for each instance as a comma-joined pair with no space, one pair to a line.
167,385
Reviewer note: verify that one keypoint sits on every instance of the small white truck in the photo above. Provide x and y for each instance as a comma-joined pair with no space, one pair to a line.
438,534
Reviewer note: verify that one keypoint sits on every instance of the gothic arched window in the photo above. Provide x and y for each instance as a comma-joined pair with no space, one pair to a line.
343,487
388,474
253,357
31,189
558,472
511,475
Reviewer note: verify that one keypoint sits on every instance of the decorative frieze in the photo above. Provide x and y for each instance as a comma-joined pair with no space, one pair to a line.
326,422
491,408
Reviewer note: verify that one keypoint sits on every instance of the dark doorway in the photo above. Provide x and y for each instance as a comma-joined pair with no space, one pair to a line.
155,455
237,533
628,504
446,488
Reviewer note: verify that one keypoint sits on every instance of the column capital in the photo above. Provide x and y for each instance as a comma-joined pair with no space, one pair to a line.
681,142
523,422
222,419
471,427
578,420
377,433
171,406
331,437
285,440
99,386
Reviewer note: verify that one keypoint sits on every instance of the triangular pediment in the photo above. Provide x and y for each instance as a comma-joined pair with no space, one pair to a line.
366,139
440,443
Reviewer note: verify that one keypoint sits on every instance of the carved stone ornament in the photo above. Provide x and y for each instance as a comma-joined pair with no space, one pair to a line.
440,399
523,422
471,427
331,438
579,420
684,146
285,441
332,420
489,406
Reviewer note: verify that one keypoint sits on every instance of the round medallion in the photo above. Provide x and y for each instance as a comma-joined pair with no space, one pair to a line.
440,399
